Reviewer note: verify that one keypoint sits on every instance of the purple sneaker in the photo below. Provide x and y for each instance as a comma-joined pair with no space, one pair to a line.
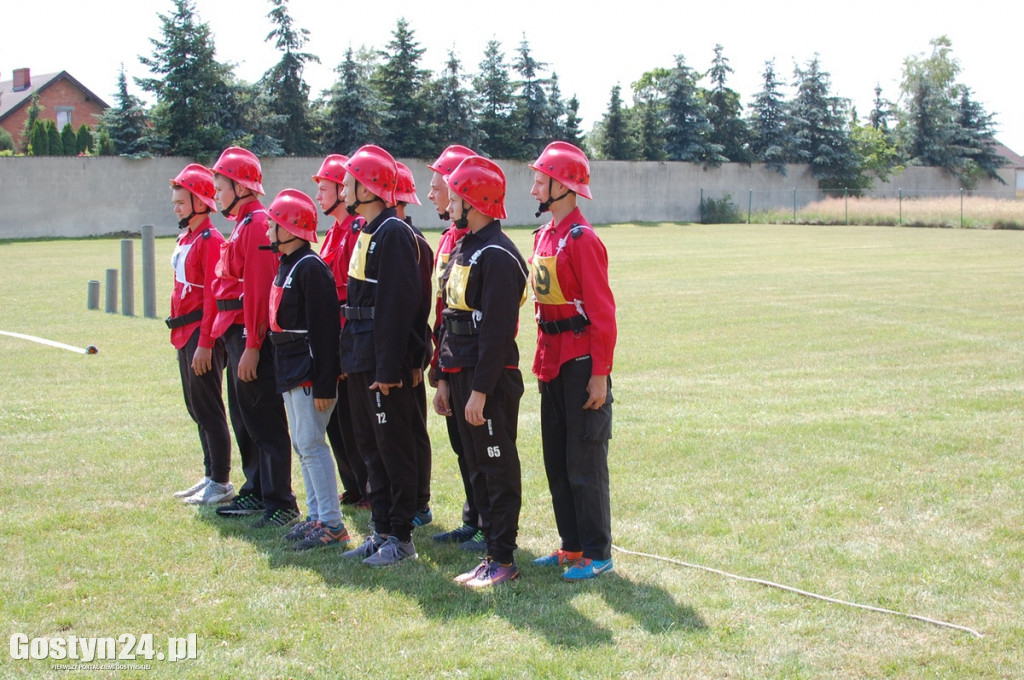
496,573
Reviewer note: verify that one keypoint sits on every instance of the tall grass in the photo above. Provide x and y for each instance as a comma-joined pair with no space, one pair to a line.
970,212
839,410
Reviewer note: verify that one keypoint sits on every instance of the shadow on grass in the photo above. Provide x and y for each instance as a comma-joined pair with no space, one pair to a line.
540,600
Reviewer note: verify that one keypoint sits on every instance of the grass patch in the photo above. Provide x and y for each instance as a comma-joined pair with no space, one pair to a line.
973,212
839,410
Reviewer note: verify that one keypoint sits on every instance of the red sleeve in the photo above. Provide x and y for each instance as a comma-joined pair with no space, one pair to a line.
598,302
260,269
211,255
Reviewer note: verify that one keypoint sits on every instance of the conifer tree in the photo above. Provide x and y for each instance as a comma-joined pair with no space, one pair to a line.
288,91
352,107
771,139
728,129
400,83
494,94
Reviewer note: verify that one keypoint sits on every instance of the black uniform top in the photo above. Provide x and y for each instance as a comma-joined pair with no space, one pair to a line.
309,302
426,269
384,277
494,283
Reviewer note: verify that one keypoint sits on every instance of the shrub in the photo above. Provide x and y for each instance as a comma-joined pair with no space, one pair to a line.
720,211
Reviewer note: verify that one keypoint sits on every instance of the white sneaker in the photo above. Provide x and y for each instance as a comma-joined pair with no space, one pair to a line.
212,493
195,488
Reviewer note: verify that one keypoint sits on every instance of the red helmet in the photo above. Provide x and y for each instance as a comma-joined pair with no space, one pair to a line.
294,212
198,181
375,169
566,163
481,183
333,169
405,191
450,159
242,166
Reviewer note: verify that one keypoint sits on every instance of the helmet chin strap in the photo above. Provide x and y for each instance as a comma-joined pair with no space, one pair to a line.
546,205
337,202
226,212
183,222
463,222
275,246
353,209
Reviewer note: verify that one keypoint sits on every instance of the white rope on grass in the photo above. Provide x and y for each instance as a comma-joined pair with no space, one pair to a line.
805,593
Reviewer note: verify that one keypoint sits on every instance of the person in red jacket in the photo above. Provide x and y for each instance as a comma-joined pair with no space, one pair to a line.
201,358
245,274
304,329
575,346
469,535
336,251
480,383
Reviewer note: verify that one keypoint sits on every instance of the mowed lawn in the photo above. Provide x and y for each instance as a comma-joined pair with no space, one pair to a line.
838,409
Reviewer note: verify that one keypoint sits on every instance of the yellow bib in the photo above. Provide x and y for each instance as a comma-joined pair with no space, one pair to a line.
439,266
357,264
544,278
458,279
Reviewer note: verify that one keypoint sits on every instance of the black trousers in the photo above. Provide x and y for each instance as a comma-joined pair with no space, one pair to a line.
423,453
351,468
262,412
205,405
492,457
387,432
575,443
470,515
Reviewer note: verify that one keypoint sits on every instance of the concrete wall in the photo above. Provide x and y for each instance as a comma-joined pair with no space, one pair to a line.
73,197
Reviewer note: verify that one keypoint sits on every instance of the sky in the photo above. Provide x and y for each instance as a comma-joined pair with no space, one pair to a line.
592,46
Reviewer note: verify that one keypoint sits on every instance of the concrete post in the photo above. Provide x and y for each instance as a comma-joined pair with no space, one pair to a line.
127,278
111,291
93,299
148,271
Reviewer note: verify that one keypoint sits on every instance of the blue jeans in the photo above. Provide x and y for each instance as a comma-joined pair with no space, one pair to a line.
308,430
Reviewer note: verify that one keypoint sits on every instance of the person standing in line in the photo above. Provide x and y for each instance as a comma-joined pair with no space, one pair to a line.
245,274
201,358
469,535
480,383
335,252
304,328
405,193
573,363
381,344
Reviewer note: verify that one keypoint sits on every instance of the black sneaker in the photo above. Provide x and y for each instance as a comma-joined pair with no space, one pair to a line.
282,517
248,504
460,535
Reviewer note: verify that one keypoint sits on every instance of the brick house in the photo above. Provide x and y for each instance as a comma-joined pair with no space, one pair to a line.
64,100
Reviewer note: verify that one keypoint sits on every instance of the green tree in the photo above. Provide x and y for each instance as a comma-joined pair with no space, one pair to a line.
189,85
400,83
881,112
878,156
83,139
616,143
557,112
54,143
39,140
6,141
975,141
126,124
352,106
498,131
571,131
454,119
927,124
68,140
648,114
289,92
531,105
687,129
728,129
819,128
34,109
771,137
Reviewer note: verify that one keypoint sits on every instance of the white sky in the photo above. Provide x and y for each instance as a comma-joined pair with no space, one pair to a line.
591,45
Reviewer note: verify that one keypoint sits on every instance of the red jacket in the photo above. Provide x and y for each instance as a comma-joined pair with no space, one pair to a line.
450,237
199,251
577,286
246,271
336,251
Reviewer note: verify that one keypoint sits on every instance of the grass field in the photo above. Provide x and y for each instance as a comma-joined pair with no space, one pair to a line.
837,409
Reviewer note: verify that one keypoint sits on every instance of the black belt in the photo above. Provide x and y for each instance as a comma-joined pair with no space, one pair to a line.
185,319
284,337
573,323
456,327
228,305
354,313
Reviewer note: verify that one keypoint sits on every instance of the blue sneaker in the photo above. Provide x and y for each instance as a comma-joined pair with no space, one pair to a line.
587,568
422,517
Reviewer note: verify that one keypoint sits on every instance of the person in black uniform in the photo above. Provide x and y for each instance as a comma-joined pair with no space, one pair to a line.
382,343
480,383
